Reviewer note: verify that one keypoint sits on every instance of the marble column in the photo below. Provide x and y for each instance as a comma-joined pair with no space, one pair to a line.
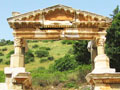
17,59
101,60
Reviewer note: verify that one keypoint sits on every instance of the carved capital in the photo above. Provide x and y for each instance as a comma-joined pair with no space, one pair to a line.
100,41
18,42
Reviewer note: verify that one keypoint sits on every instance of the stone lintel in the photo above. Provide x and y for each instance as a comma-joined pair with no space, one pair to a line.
103,78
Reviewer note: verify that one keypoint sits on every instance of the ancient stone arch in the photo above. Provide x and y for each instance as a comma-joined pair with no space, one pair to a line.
57,23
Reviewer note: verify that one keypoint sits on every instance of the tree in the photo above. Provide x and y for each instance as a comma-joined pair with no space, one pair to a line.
81,53
113,41
115,11
29,57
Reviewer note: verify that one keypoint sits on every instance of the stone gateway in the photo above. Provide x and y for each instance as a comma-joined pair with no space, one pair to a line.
59,22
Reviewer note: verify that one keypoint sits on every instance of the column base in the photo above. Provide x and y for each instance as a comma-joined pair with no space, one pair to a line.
17,79
105,81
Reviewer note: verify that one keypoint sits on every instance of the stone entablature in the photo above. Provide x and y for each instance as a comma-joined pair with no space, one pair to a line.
58,16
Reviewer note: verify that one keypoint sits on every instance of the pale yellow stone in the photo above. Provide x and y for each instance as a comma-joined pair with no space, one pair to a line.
17,60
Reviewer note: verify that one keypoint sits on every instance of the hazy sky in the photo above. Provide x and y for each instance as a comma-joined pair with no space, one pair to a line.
102,7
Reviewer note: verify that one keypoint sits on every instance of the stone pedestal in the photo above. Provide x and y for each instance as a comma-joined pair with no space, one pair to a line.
102,64
104,81
17,79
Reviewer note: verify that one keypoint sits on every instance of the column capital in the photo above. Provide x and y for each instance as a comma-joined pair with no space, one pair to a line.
18,41
100,41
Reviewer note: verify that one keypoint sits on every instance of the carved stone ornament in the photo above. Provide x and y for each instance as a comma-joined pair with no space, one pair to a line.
18,42
101,41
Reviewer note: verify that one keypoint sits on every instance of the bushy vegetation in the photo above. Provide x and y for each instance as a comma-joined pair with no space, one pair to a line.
1,54
68,62
4,49
68,42
29,57
2,76
7,62
82,56
113,40
44,48
5,42
50,58
35,46
9,54
71,78
41,53
1,60
43,60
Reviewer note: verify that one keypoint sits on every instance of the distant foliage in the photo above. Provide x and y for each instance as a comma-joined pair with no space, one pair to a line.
83,70
41,53
113,41
32,41
1,60
35,46
44,77
81,53
68,42
7,62
50,58
1,54
43,60
9,54
45,41
68,62
44,48
2,76
4,49
71,85
5,42
29,57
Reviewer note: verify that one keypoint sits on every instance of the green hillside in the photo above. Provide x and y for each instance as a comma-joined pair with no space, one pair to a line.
49,55
57,50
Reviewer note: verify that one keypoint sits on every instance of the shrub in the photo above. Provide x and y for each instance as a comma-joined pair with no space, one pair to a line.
35,46
5,42
1,60
41,53
45,41
1,54
71,85
7,62
70,51
82,56
4,49
83,71
9,54
2,76
43,60
68,42
50,58
29,57
44,48
44,77
66,63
